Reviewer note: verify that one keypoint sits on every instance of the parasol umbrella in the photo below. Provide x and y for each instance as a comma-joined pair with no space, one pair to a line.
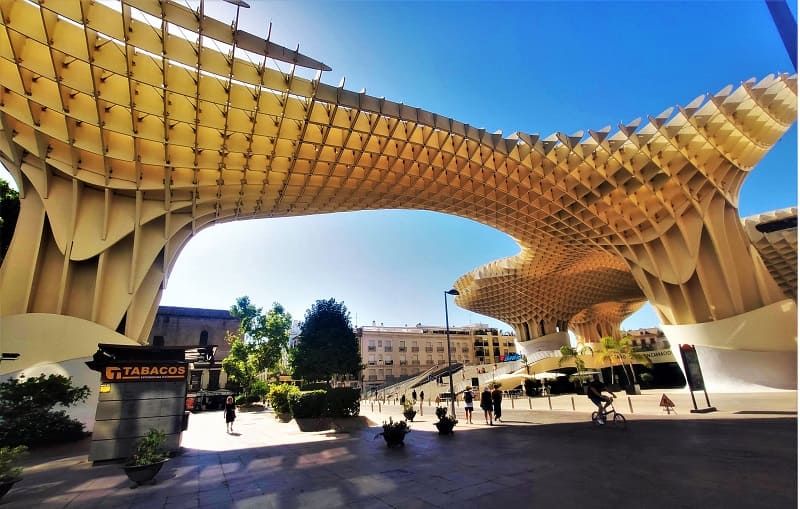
547,375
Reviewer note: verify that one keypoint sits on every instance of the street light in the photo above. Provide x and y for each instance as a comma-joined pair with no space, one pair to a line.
450,362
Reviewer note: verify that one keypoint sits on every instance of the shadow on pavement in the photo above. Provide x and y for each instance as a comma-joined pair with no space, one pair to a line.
655,463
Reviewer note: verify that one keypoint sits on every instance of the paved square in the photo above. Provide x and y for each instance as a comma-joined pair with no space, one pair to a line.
743,456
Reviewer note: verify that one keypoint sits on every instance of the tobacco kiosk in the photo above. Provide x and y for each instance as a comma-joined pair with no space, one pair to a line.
140,388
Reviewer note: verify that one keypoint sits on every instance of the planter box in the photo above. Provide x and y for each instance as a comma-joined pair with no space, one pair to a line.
445,428
141,474
5,485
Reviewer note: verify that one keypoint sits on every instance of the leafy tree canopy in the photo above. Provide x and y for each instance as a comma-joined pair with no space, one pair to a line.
42,392
327,344
259,344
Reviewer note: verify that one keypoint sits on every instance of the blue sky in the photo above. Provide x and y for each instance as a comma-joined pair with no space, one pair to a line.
513,66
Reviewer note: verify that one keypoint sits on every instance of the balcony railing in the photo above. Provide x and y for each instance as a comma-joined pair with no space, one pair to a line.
388,362
415,349
440,349
387,348
370,348
428,348
402,349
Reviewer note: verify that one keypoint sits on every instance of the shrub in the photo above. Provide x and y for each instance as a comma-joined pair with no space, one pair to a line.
149,449
9,456
26,415
343,402
240,400
279,397
40,427
307,404
441,412
259,389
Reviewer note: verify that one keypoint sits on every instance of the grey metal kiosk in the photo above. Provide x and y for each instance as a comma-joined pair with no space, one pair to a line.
140,388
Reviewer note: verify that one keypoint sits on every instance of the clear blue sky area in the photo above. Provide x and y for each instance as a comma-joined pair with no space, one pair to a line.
534,67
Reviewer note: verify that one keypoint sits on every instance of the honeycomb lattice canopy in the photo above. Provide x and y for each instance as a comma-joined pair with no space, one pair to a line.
131,127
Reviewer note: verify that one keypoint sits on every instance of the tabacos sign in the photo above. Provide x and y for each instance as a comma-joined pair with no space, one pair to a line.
140,373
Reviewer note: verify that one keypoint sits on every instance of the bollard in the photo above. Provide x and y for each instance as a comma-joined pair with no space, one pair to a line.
549,402
630,404
573,402
530,403
372,407
379,407
512,402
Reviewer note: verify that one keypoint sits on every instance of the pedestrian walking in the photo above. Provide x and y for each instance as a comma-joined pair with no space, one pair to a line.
486,404
497,398
414,395
403,400
421,401
468,404
230,413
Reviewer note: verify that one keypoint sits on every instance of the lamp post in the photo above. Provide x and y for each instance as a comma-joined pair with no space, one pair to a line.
450,362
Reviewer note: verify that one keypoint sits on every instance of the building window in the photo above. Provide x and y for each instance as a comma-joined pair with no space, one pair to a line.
158,341
213,380
195,380
204,338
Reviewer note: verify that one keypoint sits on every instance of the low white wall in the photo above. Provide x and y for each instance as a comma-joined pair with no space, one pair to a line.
81,375
549,342
751,352
56,344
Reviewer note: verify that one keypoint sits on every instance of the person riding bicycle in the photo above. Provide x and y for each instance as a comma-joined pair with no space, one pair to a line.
595,393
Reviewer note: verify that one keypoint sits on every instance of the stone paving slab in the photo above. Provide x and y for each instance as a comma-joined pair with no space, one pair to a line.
743,456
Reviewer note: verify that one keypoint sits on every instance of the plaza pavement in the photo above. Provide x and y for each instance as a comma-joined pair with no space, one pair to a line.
742,456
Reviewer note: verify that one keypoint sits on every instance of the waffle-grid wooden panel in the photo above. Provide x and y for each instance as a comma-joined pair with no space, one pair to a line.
132,128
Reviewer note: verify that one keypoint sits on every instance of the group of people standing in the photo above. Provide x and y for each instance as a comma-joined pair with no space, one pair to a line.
490,402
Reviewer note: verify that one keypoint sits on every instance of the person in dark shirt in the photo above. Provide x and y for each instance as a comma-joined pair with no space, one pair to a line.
230,413
486,405
595,393
497,398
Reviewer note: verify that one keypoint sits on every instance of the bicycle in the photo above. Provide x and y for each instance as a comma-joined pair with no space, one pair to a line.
618,419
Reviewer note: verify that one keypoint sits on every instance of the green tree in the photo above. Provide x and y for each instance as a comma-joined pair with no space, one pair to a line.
620,352
26,410
327,346
9,212
574,355
259,344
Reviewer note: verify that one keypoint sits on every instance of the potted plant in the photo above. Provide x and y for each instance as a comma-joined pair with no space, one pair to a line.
446,423
10,474
408,410
394,432
148,457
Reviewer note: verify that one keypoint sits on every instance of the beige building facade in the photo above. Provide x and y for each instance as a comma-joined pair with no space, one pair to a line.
391,354
197,327
126,139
